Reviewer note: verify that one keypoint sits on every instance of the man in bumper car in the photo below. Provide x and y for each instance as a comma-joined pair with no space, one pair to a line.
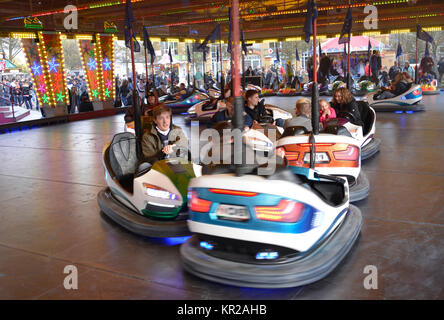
227,114
257,110
145,109
163,136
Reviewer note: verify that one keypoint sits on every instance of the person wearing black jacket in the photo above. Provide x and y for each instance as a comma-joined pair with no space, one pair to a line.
343,101
85,104
440,69
394,70
26,91
324,68
253,108
256,110
400,85
375,66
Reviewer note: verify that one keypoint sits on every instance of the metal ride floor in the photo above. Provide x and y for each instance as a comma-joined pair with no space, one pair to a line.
50,177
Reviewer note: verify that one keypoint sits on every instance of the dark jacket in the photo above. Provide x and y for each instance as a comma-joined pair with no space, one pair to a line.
86,106
325,64
257,113
400,88
375,63
393,71
223,116
152,144
351,107
441,66
124,90
129,113
25,90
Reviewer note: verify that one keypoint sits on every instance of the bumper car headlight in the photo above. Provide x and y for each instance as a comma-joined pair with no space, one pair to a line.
192,110
157,192
259,144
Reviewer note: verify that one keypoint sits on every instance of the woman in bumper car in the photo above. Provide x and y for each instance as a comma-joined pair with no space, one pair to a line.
400,85
343,101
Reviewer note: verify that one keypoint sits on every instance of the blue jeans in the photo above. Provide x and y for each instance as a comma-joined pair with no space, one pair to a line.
280,122
385,95
28,102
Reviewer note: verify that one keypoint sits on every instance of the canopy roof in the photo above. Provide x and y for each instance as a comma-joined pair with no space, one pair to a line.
7,64
357,43
261,19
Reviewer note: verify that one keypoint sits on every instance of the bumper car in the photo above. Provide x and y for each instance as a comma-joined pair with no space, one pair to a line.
203,111
365,135
363,88
212,92
430,88
267,93
408,101
289,92
253,87
181,105
146,200
335,85
286,229
146,125
306,91
336,153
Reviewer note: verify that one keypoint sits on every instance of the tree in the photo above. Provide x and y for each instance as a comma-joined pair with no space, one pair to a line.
288,50
11,47
123,55
72,54
408,43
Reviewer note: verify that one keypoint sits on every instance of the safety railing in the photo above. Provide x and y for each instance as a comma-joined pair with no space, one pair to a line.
8,93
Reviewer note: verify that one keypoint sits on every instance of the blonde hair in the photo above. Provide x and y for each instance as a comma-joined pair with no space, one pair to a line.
303,106
323,100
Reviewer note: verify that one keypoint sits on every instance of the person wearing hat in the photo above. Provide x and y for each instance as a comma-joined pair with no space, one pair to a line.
145,109
152,102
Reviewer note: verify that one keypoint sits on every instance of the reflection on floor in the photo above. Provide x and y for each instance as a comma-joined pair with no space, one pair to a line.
50,177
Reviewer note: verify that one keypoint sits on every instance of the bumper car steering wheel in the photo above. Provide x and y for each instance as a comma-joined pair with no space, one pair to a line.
347,115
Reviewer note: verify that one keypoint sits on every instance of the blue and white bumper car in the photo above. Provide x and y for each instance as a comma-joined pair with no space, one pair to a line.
408,101
286,229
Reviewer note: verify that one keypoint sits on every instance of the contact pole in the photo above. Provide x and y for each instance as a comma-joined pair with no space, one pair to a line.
146,65
136,105
348,65
238,120
188,73
315,89
416,61
222,80
152,71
